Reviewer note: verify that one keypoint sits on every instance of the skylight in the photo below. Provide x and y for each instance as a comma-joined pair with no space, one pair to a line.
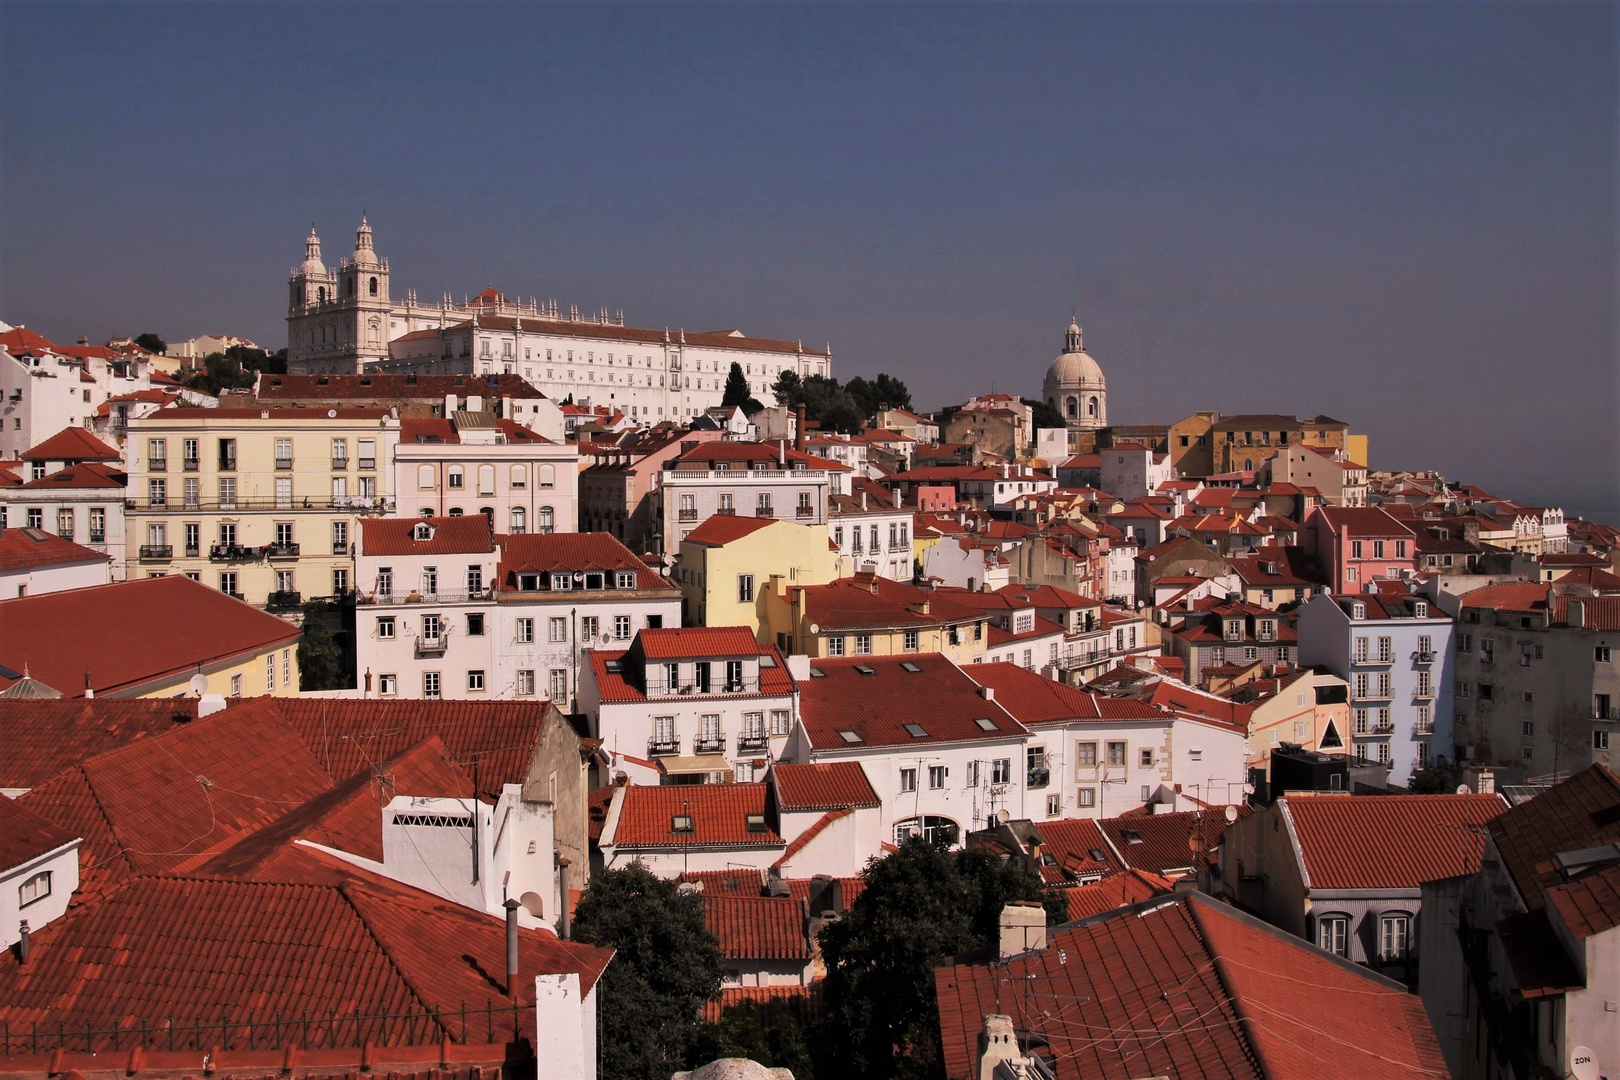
756,823
986,724
766,660
916,731
681,823
615,667
817,673
851,736
864,670
907,665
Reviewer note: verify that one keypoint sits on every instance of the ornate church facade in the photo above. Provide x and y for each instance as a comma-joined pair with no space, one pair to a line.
345,321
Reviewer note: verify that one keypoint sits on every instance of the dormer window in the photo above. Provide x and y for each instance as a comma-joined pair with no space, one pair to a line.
1234,630
422,531
1420,609
562,582
1358,610
626,579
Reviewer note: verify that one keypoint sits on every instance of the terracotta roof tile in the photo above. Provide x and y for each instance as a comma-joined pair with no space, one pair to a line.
87,474
552,552
1114,891
802,841
1524,596
757,928
1590,904
1034,699
1540,962
1389,842
1160,843
72,444
825,785
385,388
719,814
25,836
1076,849
469,534
938,700
719,529
1581,812
145,630
26,549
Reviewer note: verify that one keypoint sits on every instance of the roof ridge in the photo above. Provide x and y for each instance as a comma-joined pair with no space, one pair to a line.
344,889
1245,1023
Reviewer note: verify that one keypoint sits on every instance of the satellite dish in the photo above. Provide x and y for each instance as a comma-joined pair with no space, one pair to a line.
814,629
1464,789
915,831
1583,1064
1002,816
1231,814
331,414
199,684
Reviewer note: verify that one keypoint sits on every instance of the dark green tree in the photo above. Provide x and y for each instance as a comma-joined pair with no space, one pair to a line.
789,389
320,659
771,1034
1046,416
667,965
884,392
737,389
921,905
1435,780
152,344
221,371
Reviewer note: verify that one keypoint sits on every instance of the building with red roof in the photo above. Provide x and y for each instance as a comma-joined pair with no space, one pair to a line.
771,480
872,615
675,829
473,461
830,815
1191,988
1346,872
1356,545
730,566
1231,631
39,871
34,562
46,388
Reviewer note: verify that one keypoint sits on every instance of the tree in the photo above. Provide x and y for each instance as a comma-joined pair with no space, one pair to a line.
221,371
319,657
667,964
884,392
737,389
152,344
921,905
789,389
770,1033
1045,416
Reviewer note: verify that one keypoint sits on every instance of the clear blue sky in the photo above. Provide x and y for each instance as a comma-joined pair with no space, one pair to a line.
1401,215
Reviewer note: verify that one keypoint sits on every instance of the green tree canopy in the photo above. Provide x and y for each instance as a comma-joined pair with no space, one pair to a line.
1045,416
320,658
221,371
667,964
770,1033
884,392
152,344
922,905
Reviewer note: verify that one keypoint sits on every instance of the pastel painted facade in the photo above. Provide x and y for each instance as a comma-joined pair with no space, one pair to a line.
474,463
46,387
871,616
730,566
743,478
1356,546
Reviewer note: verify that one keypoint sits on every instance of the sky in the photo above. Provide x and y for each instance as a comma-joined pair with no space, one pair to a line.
1402,216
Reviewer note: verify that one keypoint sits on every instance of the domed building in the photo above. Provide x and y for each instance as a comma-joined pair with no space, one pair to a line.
1075,386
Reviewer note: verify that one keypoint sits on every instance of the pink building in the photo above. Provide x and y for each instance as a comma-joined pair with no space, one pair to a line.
617,488
1356,545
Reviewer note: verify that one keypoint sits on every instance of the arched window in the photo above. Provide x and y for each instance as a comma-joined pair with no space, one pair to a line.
351,286
455,511
489,515
320,295
426,511
486,479
1333,934
520,521
547,519
548,476
1091,407
1248,464
373,286
520,476
936,830
1071,407
425,478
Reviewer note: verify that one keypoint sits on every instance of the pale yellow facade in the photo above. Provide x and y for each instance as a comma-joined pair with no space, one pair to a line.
1296,715
263,504
965,641
1355,448
271,670
729,584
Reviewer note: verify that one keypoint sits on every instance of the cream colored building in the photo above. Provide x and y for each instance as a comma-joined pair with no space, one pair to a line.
259,503
867,615
730,565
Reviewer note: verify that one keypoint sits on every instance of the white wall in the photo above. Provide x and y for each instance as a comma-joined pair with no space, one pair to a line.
58,577
564,1028
63,866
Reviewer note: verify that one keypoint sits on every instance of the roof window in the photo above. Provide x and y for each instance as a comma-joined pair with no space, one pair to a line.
756,823
817,673
681,823
1130,836
986,724
865,670
766,660
916,731
851,737
422,531
907,665
615,667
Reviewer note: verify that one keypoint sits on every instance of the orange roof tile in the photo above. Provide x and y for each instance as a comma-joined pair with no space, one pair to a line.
469,534
823,785
1388,842
86,474
72,444
28,549
25,836
45,737
1114,891
894,706
719,814
1034,699
1581,812
555,552
757,927
720,529
1160,842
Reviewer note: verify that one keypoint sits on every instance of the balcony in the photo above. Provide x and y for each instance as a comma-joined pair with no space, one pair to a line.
1423,729
727,511
1605,713
747,744
434,646
193,552
283,600
190,464
688,514
341,549
157,464
339,464
438,596
228,464
366,464
663,747
157,551
1423,657
804,511
233,553
764,512
657,687
1039,778
716,745
282,551
1382,729
283,464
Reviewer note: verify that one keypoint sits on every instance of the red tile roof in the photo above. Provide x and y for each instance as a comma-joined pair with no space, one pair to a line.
804,1001
1581,812
422,430
72,444
1115,891
753,456
1034,699
867,602
1046,596
939,699
145,631
1590,904
1522,596
467,535
87,474
552,552
824,785
1391,841
379,387
227,952
1541,964
719,814
682,643
1189,988
1161,843
627,682
25,836
720,339
21,339
27,549
43,738
1076,849
1363,521
719,529
274,413
757,927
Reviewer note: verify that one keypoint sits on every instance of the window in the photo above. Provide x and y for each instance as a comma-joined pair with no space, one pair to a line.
524,631
34,889
475,624
621,628
430,581
227,583
863,644
385,581
35,517
486,479
1001,771
387,685
1333,935
780,721
157,491
340,537
385,627
589,627
911,641
557,629
1361,650
1386,650
745,588
1600,740
425,478
1527,728
236,685
546,523
340,490
1146,756
455,478
1600,653
430,685
1085,755
475,681
98,524
1086,798
936,777
1394,937
64,522
270,672
1116,753
559,684
191,449
432,629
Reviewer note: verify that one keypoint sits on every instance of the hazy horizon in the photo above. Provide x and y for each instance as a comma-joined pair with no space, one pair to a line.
1399,216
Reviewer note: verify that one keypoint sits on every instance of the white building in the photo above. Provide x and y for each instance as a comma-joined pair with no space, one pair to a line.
45,387
871,532
1395,652
472,463
39,872
689,706
33,562
83,503
447,609
344,320
942,754
754,479
680,829
1132,471
966,562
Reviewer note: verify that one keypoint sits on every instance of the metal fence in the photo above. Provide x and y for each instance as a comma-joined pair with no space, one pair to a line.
248,1030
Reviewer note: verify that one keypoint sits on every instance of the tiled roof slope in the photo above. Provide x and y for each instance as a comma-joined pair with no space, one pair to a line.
1035,699
215,950
1190,988
757,927
825,785
1164,839
25,836
72,444
469,534
153,804
682,643
547,552
719,814
1590,904
1389,841
718,529
1582,812
26,549
938,697
1074,844
144,630
1114,891
88,474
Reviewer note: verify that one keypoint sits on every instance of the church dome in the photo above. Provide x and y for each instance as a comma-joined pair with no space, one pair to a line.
1074,368
363,253
313,267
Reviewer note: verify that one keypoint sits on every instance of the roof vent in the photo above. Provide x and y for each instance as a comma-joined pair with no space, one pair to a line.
988,693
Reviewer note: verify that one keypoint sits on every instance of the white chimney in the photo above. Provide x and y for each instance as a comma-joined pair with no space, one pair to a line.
449,405
475,403
998,1043
988,693
1023,927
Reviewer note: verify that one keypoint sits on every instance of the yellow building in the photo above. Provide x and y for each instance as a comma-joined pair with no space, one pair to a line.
152,637
729,565
868,615
261,503
1355,448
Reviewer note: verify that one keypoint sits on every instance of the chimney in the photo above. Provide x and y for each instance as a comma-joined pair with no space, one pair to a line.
89,691
798,430
1577,614
1023,927
512,948
22,942
475,403
449,406
997,1043
863,500
988,693
563,920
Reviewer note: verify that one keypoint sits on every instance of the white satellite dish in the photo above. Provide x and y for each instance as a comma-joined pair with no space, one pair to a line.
814,629
331,414
1464,789
1002,816
199,684
1583,1064
1231,814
